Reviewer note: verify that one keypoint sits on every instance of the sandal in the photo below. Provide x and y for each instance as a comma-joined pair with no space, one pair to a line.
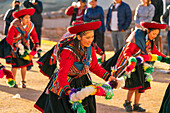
15,86
23,84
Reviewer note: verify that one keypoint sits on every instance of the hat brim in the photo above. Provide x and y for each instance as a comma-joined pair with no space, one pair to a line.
22,12
153,25
84,27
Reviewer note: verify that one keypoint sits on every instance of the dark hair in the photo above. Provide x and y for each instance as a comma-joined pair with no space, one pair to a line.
76,42
82,33
21,17
151,29
17,1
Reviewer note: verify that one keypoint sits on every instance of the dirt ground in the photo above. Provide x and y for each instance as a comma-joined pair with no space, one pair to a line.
36,82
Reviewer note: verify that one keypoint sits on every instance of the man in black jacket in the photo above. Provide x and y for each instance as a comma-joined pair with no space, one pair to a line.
8,18
36,18
158,4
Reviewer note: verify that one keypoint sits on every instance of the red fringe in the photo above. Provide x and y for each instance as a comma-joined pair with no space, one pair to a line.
135,88
37,107
44,73
40,63
24,65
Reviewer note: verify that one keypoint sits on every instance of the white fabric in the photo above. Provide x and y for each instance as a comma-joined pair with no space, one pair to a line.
114,21
116,5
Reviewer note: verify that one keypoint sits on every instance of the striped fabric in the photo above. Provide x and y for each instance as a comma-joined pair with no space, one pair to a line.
58,46
122,63
105,75
78,69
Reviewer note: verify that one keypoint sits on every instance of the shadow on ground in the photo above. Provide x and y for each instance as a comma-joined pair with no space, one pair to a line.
103,108
25,93
160,76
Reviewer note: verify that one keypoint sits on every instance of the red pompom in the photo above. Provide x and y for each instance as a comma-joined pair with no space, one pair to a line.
145,58
129,68
8,74
100,91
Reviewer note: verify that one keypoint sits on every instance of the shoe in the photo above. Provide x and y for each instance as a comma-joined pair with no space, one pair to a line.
23,84
39,55
15,86
137,108
128,106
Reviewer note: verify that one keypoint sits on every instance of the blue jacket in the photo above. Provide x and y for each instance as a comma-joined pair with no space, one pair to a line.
96,13
124,16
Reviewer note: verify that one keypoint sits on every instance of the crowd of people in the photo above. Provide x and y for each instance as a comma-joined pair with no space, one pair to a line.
78,48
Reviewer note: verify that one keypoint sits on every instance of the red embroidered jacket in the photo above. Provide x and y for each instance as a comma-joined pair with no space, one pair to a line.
13,32
132,49
67,58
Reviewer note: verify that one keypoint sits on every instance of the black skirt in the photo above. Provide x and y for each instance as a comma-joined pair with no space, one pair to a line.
6,52
52,103
44,66
137,80
165,107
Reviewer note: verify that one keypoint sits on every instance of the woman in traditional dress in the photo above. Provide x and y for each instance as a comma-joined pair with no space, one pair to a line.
15,46
140,42
76,10
76,58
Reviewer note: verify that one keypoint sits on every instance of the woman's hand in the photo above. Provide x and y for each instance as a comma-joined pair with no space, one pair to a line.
103,58
112,78
168,28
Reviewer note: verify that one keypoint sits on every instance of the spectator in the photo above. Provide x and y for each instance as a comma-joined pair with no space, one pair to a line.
119,18
165,19
95,12
76,10
144,12
158,4
36,18
8,18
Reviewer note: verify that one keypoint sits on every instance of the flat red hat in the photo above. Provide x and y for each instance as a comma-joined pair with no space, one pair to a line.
80,26
153,25
22,12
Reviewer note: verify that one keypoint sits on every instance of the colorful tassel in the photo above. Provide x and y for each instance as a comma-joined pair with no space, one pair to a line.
148,68
159,58
30,56
78,106
8,74
11,82
168,60
132,59
100,91
139,59
129,68
145,57
99,60
154,57
149,77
